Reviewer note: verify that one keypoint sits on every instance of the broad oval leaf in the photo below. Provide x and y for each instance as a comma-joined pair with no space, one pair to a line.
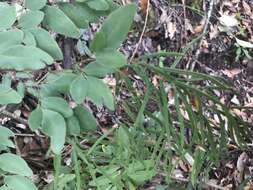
31,19
47,43
97,70
77,14
19,182
7,16
57,20
29,39
14,164
61,81
115,28
35,119
86,119
10,37
46,90
5,134
111,59
99,42
35,4
99,5
73,126
53,125
57,104
99,93
16,58
9,96
78,89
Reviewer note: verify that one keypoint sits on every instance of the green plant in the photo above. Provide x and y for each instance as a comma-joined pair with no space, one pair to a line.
12,167
147,143
243,49
27,31
175,114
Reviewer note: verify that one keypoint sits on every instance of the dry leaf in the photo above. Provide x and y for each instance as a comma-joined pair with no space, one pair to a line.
144,5
244,43
231,73
247,8
200,27
172,28
228,21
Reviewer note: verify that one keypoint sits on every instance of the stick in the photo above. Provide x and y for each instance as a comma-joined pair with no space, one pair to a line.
142,33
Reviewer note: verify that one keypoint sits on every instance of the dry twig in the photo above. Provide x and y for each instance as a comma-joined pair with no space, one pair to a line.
142,33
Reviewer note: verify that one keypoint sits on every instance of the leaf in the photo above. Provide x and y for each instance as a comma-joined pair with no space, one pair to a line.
231,73
64,180
111,59
228,21
35,119
97,70
139,172
14,164
76,13
120,20
243,43
5,134
29,39
47,43
99,93
35,4
4,187
21,89
7,16
86,119
123,138
99,42
53,125
9,38
31,19
16,58
57,104
57,20
9,96
19,182
73,126
78,89
61,81
99,5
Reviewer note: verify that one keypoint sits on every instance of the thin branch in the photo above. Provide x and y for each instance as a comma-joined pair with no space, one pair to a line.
181,179
142,33
14,116
207,20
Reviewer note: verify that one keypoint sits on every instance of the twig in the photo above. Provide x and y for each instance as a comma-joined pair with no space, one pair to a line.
14,116
206,184
207,20
185,22
29,135
142,33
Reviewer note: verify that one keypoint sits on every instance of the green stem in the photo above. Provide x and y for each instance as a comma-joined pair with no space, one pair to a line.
57,165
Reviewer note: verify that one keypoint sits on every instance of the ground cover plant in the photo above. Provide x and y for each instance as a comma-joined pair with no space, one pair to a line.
80,112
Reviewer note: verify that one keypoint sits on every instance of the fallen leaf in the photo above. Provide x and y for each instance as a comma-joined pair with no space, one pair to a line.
231,73
247,8
228,21
199,28
244,43
172,28
143,6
